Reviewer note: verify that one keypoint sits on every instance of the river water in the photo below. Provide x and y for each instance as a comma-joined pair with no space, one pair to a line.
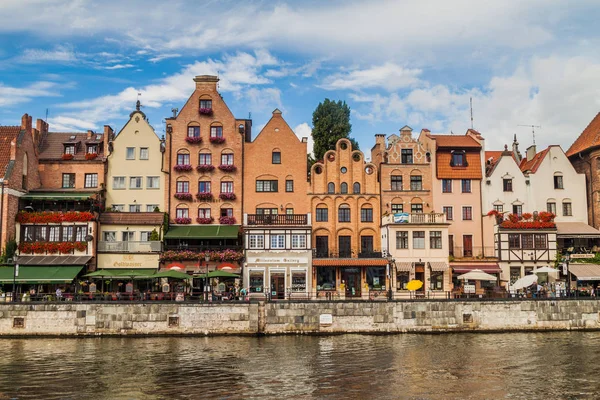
467,366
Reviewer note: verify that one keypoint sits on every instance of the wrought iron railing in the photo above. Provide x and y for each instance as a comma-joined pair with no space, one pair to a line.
277,219
129,247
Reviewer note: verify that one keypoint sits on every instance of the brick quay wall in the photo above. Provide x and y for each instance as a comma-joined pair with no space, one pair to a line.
91,319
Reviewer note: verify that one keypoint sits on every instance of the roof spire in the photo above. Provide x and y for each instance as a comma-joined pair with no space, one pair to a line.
138,105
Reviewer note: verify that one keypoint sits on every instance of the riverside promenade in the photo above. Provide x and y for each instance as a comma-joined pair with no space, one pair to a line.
297,317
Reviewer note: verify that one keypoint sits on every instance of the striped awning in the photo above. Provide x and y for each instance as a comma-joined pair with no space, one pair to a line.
438,266
404,266
585,272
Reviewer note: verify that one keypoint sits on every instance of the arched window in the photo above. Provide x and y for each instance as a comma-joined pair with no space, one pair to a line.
366,213
331,187
567,208
205,159
183,157
356,188
344,213
193,130
276,156
344,188
205,105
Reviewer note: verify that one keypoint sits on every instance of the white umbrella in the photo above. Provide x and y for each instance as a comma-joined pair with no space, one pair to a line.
476,275
544,269
524,282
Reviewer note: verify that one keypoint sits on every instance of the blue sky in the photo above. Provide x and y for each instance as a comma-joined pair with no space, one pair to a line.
395,63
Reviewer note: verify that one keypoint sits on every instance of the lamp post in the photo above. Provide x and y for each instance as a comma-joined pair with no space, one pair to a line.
206,285
15,274
567,272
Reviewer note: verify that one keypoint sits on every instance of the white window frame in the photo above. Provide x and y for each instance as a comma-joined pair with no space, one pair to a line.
130,153
137,178
256,241
135,208
151,207
277,241
109,236
150,180
147,155
297,241
120,179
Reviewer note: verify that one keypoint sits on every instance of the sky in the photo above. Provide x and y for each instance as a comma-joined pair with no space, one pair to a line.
395,63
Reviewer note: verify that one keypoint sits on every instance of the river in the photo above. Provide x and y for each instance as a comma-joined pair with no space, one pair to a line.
466,366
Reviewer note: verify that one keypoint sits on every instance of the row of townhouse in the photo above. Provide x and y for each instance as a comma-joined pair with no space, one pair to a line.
208,196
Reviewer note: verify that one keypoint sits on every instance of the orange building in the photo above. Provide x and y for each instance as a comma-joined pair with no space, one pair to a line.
345,202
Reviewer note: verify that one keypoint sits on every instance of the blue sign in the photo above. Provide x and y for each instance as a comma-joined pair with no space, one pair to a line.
401,218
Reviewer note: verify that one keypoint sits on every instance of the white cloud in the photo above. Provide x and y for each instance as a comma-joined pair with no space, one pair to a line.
58,54
118,66
10,95
304,130
161,57
388,76
68,124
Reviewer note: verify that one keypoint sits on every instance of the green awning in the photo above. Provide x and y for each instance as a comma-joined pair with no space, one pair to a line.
172,274
203,232
56,196
116,273
54,274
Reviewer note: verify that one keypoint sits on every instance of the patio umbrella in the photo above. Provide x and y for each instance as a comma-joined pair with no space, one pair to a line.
524,282
415,284
544,269
171,274
477,275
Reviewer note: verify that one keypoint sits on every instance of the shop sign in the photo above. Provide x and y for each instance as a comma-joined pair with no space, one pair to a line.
401,218
326,319
469,289
583,255
270,260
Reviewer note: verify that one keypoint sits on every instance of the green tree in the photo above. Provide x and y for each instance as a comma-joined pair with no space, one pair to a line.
154,235
331,122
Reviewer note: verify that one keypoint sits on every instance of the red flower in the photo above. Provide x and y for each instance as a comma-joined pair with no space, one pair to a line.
217,139
91,156
67,156
193,139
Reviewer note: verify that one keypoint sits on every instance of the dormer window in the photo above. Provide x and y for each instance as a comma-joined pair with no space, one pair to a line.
206,104
70,149
92,149
459,159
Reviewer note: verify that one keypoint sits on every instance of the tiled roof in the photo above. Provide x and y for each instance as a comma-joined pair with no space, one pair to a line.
52,147
458,141
492,158
446,171
141,218
590,137
533,164
7,135
350,262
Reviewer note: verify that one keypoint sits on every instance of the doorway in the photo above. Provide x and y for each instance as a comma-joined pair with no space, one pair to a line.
351,277
420,276
344,246
468,245
277,285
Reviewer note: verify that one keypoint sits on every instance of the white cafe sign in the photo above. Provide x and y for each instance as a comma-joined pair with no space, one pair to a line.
271,260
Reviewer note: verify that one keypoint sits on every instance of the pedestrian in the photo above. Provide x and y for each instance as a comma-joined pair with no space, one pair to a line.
58,294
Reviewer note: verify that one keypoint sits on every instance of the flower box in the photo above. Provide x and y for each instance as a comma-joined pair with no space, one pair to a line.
201,220
67,157
49,217
227,220
187,255
205,111
205,168
227,168
51,247
91,156
204,196
184,196
182,167
183,221
217,139
227,196
193,139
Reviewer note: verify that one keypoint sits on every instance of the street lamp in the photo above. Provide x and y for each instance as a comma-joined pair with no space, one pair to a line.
15,274
566,270
206,285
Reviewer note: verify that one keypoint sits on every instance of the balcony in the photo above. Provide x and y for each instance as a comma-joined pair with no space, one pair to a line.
129,247
276,219
325,253
415,218
473,252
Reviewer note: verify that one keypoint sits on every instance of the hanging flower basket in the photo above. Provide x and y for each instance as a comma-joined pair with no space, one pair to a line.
184,196
67,157
227,168
182,167
201,220
183,221
205,168
227,196
217,139
193,139
227,220
205,111
204,196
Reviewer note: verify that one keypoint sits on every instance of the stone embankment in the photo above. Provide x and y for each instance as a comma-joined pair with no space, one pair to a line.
90,319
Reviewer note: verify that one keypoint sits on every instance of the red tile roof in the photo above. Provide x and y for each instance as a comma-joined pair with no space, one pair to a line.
52,147
590,137
533,164
349,262
141,218
446,171
7,135
456,141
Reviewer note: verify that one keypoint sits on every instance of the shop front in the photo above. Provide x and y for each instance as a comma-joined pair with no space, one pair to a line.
284,276
435,277
339,279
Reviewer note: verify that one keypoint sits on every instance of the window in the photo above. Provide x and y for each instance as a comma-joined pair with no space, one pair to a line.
118,182
28,234
467,213
436,280
127,236
567,210
226,187
152,182
70,149
256,281
135,208
110,236
145,236
289,185
130,153
376,278
68,232
517,209
278,241
289,211
91,180
514,241
40,233
298,241
205,159
356,188
397,208
418,239
299,281
193,131
183,159
343,214
396,182
322,215
276,157
344,188
257,241
92,149
144,153
204,213
266,211
68,181
182,187
499,207
216,131
118,207
558,182
207,104
402,279
80,233
366,215
330,187
227,159
406,156
151,207
416,182
466,185
551,207
435,239
446,185
540,241
449,213
507,185
135,182
54,233
204,186
402,240
416,208
527,240
226,212
458,159
266,186
182,213
326,278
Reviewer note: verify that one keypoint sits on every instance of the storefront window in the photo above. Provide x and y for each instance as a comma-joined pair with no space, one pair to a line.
402,279
298,281
437,280
257,281
326,278
376,278
515,273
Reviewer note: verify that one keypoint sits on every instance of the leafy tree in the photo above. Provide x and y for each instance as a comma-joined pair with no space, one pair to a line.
331,122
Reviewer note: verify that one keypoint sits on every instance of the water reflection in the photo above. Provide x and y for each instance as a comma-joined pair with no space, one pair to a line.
471,366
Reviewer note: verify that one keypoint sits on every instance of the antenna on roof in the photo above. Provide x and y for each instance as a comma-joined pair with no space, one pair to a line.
471,105
174,111
46,120
249,115
218,80
532,130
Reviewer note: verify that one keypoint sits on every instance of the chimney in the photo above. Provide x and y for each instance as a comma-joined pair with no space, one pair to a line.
515,150
380,140
206,82
531,152
277,112
109,135
90,134
26,122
